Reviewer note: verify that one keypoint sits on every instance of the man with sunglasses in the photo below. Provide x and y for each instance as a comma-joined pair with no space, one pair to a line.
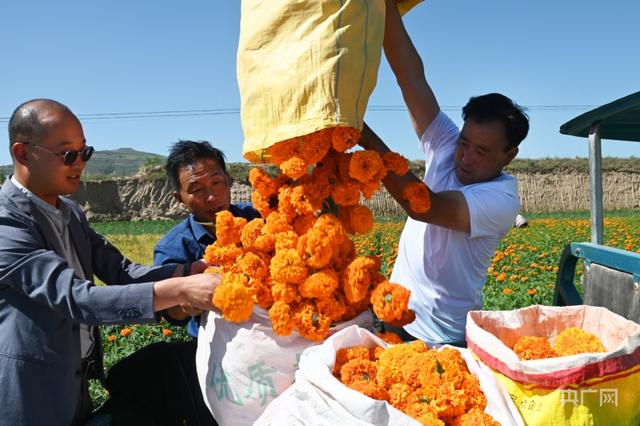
49,305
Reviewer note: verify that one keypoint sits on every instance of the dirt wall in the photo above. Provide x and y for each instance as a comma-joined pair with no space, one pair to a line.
151,199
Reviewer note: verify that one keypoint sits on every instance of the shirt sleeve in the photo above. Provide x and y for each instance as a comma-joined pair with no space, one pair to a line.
492,209
440,133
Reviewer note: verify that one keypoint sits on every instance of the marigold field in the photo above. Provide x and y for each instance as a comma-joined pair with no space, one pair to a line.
522,273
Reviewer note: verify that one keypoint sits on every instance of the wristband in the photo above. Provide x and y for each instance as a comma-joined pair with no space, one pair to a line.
186,269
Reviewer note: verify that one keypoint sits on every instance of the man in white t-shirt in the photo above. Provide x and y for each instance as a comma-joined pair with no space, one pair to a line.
444,253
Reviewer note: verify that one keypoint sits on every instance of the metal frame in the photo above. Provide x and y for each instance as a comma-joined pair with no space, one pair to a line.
621,260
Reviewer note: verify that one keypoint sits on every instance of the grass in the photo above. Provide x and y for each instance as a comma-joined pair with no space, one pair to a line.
522,272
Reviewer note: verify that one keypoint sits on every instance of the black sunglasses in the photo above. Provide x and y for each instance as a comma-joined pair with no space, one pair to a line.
69,157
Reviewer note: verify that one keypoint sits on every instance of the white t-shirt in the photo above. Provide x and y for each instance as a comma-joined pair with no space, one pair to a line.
446,269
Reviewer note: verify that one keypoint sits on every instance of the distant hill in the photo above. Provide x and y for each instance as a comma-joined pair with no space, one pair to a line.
121,162
113,163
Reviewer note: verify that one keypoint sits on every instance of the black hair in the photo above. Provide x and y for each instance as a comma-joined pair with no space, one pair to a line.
496,107
25,124
187,153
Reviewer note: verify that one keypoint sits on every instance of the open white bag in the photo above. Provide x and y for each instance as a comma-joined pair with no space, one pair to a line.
242,367
318,398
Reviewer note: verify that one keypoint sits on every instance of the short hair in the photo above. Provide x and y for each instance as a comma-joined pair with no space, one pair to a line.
187,153
496,107
25,123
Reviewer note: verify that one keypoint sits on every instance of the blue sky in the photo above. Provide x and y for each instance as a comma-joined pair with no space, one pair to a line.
558,58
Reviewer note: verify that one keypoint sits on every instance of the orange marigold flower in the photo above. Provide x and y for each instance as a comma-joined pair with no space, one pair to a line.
262,182
333,306
417,194
287,266
356,219
264,297
533,347
400,394
356,278
301,224
390,364
304,200
264,205
344,138
370,389
358,369
407,318
346,194
253,268
228,228
125,332
112,338
424,412
294,167
344,355
282,151
286,208
310,323
390,301
506,290
315,146
224,255
285,292
251,232
319,285
364,165
532,292
276,223
281,319
233,298
475,417
332,227
575,340
395,163
345,253
286,240
316,248
166,332
390,337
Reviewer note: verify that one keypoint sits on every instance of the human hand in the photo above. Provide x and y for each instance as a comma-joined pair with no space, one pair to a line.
197,292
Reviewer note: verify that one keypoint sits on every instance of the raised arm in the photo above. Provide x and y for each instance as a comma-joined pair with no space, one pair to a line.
409,71
448,208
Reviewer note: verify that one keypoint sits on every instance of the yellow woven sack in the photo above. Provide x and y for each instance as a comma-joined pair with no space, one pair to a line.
583,389
306,65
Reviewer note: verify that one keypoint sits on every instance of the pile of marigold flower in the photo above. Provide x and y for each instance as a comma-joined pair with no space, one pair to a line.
570,341
298,261
434,387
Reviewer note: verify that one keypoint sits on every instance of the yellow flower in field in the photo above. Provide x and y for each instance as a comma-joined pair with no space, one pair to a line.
112,337
166,332
514,277
532,291
524,279
501,277
125,332
507,291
